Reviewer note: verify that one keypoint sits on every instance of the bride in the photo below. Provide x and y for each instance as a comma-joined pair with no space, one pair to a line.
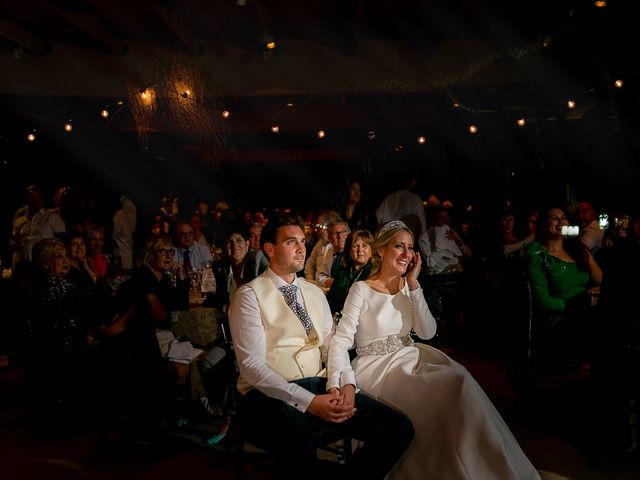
459,433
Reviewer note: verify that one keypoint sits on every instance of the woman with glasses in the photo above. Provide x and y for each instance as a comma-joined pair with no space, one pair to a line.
143,381
162,281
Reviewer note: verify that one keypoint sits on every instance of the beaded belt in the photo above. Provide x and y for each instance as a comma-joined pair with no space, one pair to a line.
391,344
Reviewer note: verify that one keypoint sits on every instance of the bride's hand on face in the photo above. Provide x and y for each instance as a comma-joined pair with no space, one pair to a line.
414,270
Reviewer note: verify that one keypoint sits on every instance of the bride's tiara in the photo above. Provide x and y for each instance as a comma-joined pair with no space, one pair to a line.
392,225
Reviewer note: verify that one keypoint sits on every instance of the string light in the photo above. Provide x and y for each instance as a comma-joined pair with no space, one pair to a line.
618,83
521,122
275,128
600,3
473,129
290,104
399,147
104,113
571,104
226,114
119,103
321,134
422,140
31,136
68,126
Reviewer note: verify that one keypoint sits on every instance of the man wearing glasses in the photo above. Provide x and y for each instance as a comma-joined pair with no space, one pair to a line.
338,233
192,255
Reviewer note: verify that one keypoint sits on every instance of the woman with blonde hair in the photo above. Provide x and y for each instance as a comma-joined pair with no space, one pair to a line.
459,433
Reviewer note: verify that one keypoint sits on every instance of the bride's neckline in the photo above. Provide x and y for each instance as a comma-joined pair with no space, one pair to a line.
386,292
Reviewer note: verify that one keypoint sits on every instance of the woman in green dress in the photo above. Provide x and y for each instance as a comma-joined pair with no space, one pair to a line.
561,271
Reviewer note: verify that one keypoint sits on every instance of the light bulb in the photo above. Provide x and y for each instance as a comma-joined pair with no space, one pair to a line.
571,104
618,83
473,129
104,113
321,134
226,114
275,128
68,127
421,140
31,137
521,122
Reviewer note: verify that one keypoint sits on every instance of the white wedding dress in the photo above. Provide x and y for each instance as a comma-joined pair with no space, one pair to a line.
459,434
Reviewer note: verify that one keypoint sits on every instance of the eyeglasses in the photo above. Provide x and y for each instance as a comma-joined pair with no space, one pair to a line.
184,234
166,251
341,233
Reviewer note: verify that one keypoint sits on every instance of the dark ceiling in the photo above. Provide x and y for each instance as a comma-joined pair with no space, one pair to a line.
353,68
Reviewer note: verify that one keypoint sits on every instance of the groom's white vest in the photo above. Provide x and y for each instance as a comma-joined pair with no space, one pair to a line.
290,352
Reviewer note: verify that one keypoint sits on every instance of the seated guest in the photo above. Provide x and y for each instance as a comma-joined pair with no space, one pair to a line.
590,232
80,273
281,324
560,271
512,245
191,255
338,231
161,284
321,247
98,261
355,212
239,266
442,247
443,252
353,267
57,365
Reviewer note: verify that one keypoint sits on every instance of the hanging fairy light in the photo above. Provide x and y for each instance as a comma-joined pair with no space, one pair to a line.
473,129
321,134
275,128
571,104
31,136
226,114
68,126
618,83
422,140
104,113
521,122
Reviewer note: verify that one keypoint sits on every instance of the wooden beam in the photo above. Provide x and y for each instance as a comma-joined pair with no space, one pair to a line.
94,28
176,23
23,37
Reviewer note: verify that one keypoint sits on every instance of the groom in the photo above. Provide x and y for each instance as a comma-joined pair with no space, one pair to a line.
281,327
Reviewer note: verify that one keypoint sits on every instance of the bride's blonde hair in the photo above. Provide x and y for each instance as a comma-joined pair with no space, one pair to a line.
385,233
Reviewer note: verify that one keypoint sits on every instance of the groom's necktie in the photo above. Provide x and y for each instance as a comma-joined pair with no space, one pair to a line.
289,292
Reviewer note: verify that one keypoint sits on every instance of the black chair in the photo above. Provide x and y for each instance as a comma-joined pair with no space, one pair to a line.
243,445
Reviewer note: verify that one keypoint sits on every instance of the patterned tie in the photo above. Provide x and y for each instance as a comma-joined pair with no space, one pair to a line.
187,263
289,292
